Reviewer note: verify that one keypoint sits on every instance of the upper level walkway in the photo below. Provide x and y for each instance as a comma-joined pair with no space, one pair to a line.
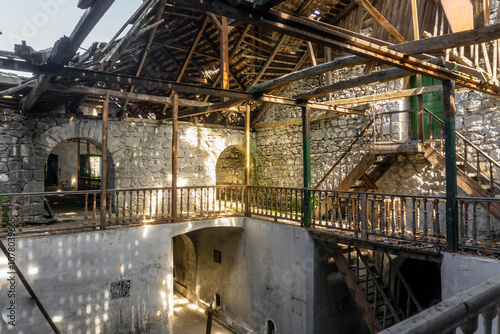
413,226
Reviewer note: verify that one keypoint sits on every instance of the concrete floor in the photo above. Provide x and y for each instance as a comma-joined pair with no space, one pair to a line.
189,319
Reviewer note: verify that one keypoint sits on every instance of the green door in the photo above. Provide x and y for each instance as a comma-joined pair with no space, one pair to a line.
433,102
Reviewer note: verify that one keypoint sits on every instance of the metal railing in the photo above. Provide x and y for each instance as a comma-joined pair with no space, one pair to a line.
461,311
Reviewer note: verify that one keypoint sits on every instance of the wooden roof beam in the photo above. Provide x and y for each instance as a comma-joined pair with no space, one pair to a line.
381,20
65,48
337,38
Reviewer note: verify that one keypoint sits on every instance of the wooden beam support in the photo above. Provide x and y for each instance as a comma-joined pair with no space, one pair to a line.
381,20
104,177
124,95
175,110
306,155
335,37
333,65
65,48
224,54
247,161
192,49
452,226
390,74
312,56
388,96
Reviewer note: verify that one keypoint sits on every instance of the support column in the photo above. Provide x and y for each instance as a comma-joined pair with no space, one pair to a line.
452,230
306,151
247,161
175,114
104,178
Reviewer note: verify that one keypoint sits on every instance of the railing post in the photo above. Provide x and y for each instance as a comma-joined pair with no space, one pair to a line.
451,166
175,110
104,177
306,150
247,161
364,217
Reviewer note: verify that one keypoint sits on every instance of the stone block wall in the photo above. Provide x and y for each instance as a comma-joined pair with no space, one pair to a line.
280,148
139,151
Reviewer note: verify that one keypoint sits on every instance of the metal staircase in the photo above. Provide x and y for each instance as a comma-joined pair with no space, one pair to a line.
379,290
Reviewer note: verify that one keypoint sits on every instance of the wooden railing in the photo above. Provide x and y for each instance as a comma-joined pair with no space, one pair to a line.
474,162
461,311
370,215
365,216
285,204
381,128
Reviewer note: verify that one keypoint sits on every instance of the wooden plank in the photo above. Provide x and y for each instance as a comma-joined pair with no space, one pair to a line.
386,148
224,54
457,39
366,162
459,14
388,96
175,110
381,20
366,311
480,12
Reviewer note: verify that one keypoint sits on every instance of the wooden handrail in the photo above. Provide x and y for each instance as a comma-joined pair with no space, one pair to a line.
484,154
367,127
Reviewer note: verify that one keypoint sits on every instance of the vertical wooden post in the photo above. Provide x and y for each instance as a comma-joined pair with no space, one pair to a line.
328,75
104,178
247,161
224,54
451,165
88,184
420,98
78,153
481,13
306,151
175,114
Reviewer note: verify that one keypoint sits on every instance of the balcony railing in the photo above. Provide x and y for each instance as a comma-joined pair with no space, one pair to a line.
365,216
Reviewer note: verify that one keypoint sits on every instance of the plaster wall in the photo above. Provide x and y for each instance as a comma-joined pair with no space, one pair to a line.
461,272
266,273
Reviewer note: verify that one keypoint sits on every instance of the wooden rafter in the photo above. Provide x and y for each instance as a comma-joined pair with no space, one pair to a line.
381,20
65,48
336,37
161,9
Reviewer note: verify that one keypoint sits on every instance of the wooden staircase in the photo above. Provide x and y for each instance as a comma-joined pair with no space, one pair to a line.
379,290
373,153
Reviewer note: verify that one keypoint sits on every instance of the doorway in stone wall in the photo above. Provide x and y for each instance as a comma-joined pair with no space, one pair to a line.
73,165
230,168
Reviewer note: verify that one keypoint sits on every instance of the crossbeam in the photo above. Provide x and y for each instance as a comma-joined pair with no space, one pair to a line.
327,35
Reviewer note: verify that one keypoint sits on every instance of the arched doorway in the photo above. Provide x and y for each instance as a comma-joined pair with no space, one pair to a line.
230,167
74,164
185,267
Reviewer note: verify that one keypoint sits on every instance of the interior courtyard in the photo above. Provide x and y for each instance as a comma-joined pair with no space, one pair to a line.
255,166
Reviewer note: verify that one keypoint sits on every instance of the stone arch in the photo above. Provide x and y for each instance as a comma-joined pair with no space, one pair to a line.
184,254
230,166
86,129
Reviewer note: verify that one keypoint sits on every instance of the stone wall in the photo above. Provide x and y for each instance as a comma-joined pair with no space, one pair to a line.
139,151
280,148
